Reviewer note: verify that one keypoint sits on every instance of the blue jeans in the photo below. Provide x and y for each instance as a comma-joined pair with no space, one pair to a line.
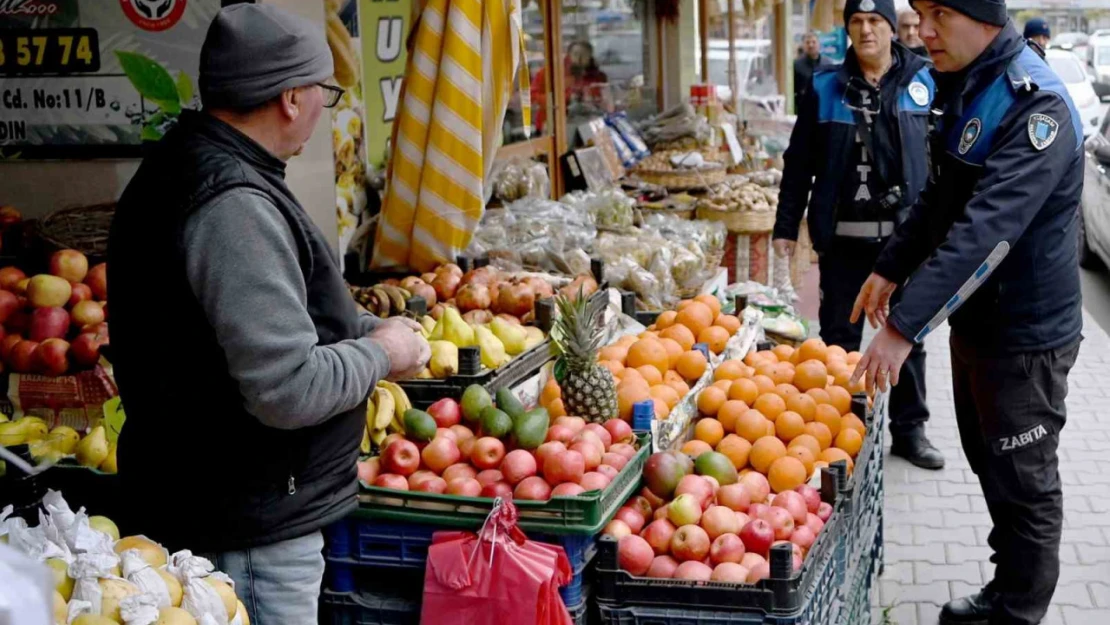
279,584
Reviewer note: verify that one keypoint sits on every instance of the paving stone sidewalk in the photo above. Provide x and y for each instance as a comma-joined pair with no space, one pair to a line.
936,523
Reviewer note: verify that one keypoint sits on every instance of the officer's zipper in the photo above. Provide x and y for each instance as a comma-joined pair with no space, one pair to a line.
292,486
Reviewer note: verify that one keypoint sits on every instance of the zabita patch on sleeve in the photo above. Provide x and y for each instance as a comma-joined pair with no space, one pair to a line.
1042,130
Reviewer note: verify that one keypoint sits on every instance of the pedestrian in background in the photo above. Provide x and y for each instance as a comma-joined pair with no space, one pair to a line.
805,65
992,247
909,33
1037,31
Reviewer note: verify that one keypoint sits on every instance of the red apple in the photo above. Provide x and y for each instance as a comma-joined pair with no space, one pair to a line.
22,357
662,567
729,572
81,293
793,503
718,520
758,486
462,432
464,487
602,434
87,313
811,496
446,412
86,349
782,522
564,466
624,449
690,542
420,476
11,276
760,571
696,486
46,291
517,465
684,510
742,519
608,471
391,480
824,511
814,523
447,433
369,469
693,571
559,433
660,513
567,489
494,490
9,304
594,481
434,484
532,488
634,554
588,436
591,453
751,559
659,534
18,322
726,548
488,452
548,449
489,476
757,536
617,529
574,423
401,457
52,357
9,216
441,453
617,461
49,323
466,448
758,510
654,500
7,344
388,440
619,431
632,517
803,537
734,497
640,504
714,484
97,279
457,470
69,264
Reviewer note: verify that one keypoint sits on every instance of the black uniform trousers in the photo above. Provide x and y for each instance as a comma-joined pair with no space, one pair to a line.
1010,410
844,267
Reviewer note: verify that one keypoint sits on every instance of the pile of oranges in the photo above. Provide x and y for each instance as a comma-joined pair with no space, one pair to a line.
784,412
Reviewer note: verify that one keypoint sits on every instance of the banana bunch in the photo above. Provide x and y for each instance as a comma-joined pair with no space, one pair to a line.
383,300
385,411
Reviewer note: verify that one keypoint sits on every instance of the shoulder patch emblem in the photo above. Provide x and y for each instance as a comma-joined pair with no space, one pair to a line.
919,93
1042,130
970,135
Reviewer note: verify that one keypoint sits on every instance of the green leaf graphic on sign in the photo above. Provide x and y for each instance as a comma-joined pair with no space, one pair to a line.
113,418
150,133
151,80
184,88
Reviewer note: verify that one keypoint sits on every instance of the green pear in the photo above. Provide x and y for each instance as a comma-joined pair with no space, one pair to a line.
512,336
106,525
63,583
64,439
93,449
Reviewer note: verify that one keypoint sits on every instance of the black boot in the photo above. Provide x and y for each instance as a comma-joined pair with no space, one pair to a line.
918,451
973,610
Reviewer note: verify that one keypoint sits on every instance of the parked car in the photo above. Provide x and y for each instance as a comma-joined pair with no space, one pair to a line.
1080,88
1098,59
1076,43
1094,209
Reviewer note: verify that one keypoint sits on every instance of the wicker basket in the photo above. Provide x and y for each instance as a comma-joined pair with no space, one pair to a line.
685,214
740,222
678,179
81,228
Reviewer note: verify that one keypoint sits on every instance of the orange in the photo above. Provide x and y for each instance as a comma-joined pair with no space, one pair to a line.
665,320
802,404
648,334
680,334
764,384
729,370
819,395
556,409
836,351
854,357
830,417
770,404
850,441
811,374
813,349
753,358
712,302
769,356
807,441
662,410
744,390
695,448
683,304
770,428
666,393
841,398
789,425
679,386
709,430
728,322
697,317
751,425
614,368
851,421
821,432
832,454
829,380
648,352
616,353
674,351
629,394
767,369
692,365
715,337
841,374
783,352
819,464
735,449
766,451
710,401
804,454
650,374
550,393
724,385
786,390
627,340
628,375
783,373
730,412
786,473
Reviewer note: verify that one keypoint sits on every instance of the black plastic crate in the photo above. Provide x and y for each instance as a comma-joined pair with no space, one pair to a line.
424,393
365,607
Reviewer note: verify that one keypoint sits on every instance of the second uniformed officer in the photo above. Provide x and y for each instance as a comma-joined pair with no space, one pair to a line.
992,247
859,145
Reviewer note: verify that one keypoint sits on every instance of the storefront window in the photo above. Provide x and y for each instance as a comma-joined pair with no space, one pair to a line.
532,15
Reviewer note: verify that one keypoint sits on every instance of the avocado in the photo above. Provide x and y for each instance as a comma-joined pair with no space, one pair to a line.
496,423
509,404
475,399
419,425
530,429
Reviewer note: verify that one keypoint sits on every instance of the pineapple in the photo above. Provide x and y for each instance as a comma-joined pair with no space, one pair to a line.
588,388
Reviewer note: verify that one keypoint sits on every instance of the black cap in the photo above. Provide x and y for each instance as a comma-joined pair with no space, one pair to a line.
987,11
1037,27
884,8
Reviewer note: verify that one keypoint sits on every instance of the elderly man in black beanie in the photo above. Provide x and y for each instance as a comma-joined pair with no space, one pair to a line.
992,248
859,145
243,428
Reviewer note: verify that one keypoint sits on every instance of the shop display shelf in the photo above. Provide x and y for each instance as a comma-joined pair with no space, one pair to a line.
585,514
424,393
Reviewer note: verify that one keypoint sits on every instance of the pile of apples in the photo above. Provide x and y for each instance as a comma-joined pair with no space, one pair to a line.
574,458
692,527
54,320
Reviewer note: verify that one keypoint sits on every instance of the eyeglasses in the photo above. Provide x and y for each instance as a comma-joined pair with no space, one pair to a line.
331,95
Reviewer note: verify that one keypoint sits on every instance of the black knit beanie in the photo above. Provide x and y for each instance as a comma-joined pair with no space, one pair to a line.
882,7
986,11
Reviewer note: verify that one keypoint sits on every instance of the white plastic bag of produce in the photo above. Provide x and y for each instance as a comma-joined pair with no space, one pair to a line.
200,598
25,586
137,571
140,609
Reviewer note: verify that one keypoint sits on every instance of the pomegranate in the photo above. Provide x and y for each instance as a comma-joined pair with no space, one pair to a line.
473,297
516,299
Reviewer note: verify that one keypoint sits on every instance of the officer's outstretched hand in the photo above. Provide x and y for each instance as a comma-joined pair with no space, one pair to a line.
874,299
882,361
784,248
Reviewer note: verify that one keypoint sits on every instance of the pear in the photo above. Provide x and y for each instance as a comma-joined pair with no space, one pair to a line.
112,592
93,449
227,595
106,525
173,586
4,418
241,612
456,330
151,552
63,583
436,333
511,336
64,438
93,619
428,322
109,464
61,609
174,616
445,359
533,336
25,430
493,351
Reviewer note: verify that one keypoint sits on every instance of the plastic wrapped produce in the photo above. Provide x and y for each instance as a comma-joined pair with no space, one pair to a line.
518,178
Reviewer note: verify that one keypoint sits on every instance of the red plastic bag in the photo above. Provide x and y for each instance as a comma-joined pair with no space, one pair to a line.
494,577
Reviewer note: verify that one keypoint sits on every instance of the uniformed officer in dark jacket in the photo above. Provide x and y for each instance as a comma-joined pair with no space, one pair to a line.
806,64
992,248
859,147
